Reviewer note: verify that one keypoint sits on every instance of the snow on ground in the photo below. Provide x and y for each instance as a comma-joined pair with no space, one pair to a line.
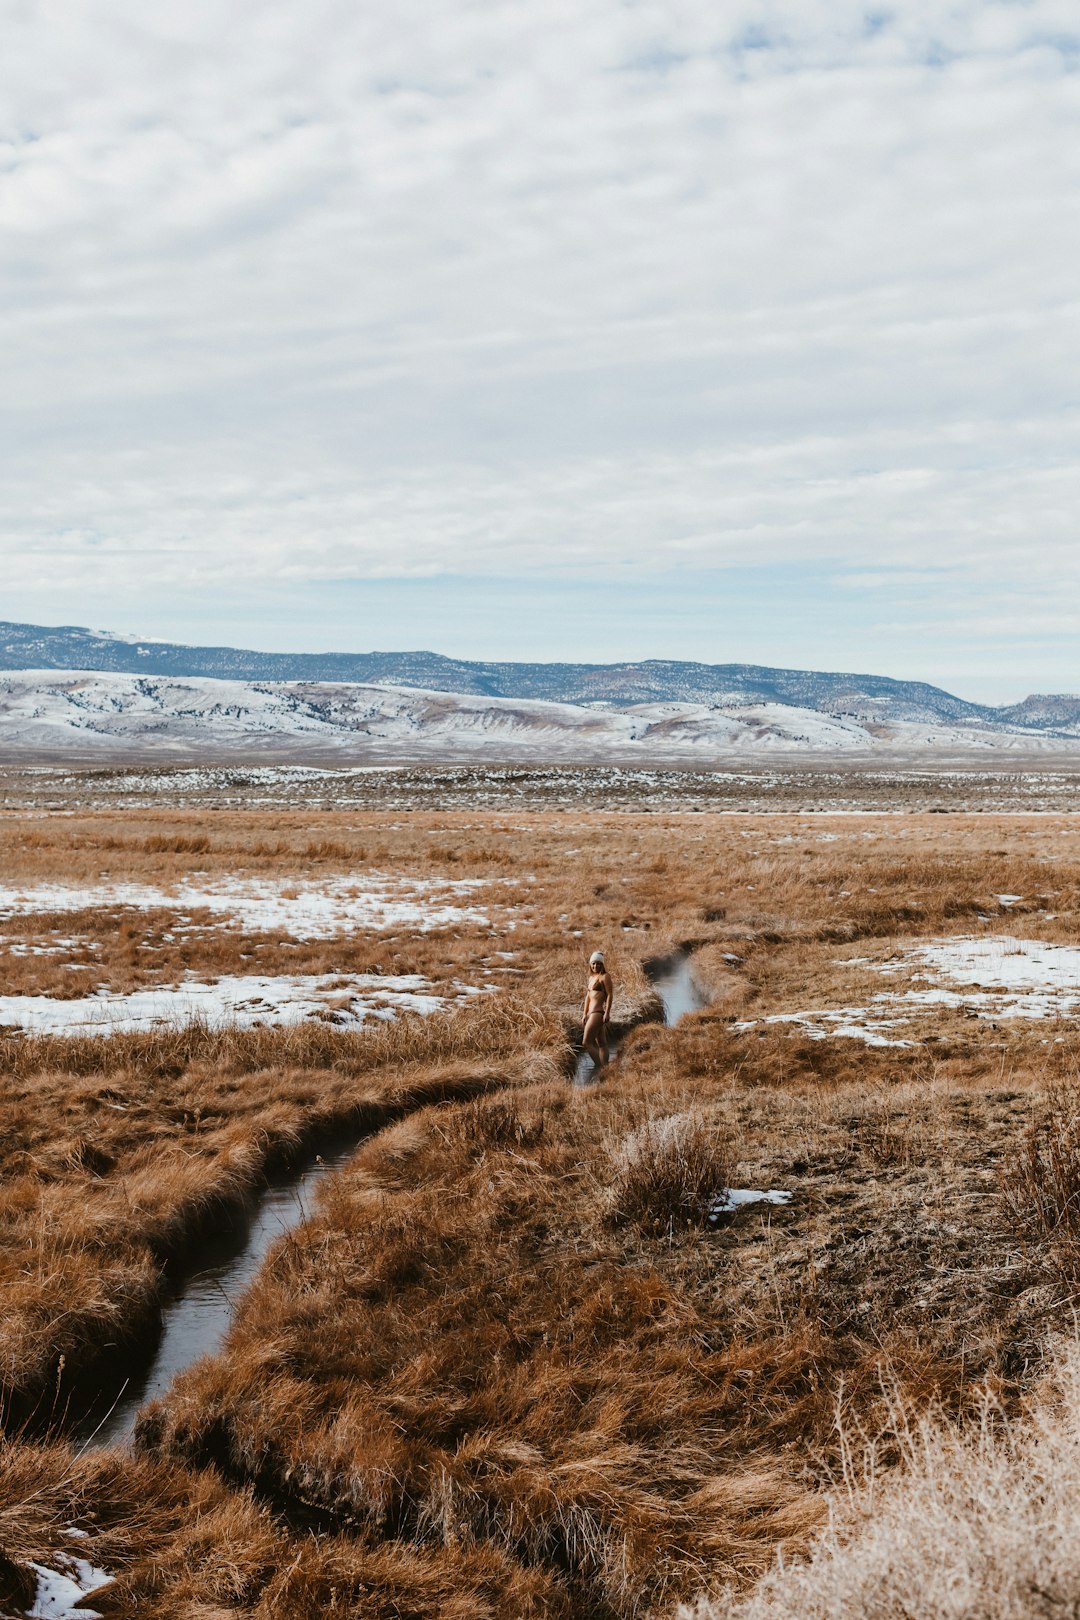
733,1198
995,961
242,1001
59,1590
319,909
1000,978
87,713
714,784
823,1023
14,945
92,712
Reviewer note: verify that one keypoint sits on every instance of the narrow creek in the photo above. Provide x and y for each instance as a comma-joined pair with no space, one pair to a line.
673,980
200,1300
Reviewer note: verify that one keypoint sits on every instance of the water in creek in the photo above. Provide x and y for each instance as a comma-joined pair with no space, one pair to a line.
200,1300
199,1303
679,993
677,988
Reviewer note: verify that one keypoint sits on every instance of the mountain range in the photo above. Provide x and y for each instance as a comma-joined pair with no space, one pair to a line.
868,700
91,716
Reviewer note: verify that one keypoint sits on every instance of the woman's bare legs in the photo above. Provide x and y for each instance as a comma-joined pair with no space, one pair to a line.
592,1039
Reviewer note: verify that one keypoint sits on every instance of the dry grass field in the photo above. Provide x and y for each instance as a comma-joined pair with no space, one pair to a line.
518,1361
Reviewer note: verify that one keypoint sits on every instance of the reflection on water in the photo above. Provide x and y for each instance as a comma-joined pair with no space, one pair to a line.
198,1307
586,1071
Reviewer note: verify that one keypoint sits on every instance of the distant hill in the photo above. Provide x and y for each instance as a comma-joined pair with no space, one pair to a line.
93,715
866,699
1041,712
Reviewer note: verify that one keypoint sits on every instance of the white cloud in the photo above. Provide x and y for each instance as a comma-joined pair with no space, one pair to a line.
344,292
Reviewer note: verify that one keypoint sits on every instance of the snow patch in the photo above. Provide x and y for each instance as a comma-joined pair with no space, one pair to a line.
996,962
824,1023
302,909
59,1590
733,1198
1016,978
243,1001
14,945
1001,978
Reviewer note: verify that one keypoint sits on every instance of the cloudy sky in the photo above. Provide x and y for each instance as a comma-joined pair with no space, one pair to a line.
726,329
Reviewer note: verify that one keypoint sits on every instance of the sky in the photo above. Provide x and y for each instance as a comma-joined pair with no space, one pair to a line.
737,330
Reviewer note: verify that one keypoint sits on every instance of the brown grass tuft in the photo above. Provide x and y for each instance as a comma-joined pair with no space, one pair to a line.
977,1523
668,1172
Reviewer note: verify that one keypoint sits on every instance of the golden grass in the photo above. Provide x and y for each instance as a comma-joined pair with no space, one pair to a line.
185,1546
1041,1185
508,1335
465,1345
118,1153
628,881
981,1522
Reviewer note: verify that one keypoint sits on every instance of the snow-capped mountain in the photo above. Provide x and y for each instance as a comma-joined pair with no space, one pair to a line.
866,699
89,715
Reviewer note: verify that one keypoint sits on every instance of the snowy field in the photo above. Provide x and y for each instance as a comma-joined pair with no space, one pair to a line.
828,787
994,978
239,1001
303,910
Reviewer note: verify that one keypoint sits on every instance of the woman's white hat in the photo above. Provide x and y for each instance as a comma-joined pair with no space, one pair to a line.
597,956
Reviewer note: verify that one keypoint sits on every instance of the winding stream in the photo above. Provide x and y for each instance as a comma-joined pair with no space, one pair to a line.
199,1301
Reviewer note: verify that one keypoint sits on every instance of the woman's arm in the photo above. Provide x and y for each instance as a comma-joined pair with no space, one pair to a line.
609,994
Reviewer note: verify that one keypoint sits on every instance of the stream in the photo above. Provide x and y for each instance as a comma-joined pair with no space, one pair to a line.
679,992
198,1304
674,982
199,1301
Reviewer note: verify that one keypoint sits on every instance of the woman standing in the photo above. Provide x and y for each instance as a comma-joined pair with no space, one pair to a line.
599,994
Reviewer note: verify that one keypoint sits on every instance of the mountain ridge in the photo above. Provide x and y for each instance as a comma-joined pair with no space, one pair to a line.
862,697
78,714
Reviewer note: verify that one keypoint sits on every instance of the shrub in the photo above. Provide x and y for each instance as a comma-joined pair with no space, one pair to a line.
669,1171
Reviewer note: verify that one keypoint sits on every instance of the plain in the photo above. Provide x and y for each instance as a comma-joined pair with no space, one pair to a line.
518,1361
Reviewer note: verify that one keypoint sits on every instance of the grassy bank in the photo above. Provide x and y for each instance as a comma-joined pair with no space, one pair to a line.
119,1154
513,1326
